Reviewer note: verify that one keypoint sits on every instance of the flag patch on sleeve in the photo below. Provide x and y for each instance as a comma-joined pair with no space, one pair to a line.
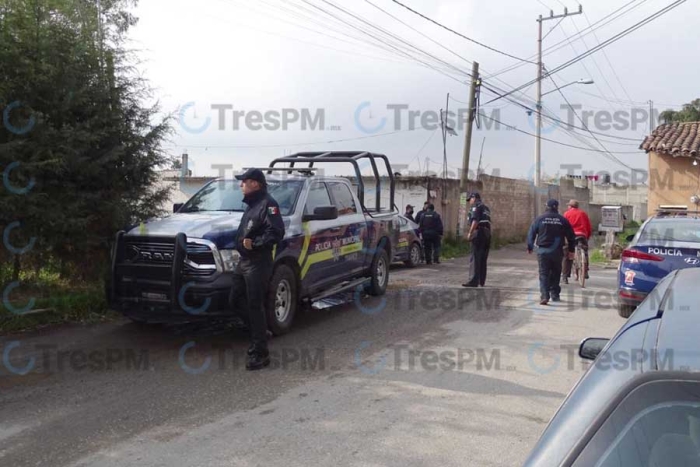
273,210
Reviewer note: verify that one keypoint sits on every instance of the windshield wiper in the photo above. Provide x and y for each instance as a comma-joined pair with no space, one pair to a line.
194,209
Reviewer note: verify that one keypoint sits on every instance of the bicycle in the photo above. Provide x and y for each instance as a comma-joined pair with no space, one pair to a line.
580,264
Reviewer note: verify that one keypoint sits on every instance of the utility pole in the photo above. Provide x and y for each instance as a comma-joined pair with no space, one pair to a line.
476,83
538,140
468,132
444,146
651,117
481,153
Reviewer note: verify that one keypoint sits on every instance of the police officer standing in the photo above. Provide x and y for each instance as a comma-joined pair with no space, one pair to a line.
548,232
261,228
480,236
421,212
431,230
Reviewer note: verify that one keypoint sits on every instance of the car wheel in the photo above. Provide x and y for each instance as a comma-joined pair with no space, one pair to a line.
379,278
625,310
413,256
282,300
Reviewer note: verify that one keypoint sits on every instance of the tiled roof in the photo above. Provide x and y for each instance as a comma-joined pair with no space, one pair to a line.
676,139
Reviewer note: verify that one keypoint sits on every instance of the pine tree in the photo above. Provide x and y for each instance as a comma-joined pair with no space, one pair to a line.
76,122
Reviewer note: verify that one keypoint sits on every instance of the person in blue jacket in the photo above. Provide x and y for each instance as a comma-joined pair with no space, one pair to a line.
431,230
548,232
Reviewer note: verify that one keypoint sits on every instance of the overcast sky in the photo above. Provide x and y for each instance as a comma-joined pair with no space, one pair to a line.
270,55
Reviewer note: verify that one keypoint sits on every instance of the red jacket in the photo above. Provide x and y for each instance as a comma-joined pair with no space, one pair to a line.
579,221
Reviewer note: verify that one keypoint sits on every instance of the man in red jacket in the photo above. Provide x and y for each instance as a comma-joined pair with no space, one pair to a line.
582,230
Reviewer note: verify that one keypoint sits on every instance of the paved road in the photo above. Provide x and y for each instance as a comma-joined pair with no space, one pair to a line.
430,374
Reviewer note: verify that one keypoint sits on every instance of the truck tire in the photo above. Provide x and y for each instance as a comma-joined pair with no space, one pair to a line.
414,255
282,300
379,274
625,310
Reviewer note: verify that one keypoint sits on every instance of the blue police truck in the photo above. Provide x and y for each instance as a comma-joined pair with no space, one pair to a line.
178,268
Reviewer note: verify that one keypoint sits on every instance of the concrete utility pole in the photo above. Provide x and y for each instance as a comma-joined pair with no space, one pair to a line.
651,117
443,122
473,89
538,139
468,132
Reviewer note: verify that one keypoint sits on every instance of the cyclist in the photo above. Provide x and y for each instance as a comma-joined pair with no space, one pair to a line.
582,230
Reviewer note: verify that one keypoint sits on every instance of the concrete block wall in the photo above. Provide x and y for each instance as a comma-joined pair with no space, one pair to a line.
512,201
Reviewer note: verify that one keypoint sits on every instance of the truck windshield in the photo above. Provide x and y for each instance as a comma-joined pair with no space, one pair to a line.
226,195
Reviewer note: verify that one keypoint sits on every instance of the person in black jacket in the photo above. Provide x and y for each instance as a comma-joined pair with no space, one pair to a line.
548,232
261,228
421,212
431,230
409,213
480,235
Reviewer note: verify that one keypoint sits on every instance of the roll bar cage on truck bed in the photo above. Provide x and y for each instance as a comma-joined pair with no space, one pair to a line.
351,157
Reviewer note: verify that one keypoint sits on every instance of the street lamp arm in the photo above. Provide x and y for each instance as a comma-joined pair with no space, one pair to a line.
581,81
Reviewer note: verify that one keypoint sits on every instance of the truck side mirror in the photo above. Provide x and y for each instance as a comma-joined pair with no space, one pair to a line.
177,206
591,347
322,213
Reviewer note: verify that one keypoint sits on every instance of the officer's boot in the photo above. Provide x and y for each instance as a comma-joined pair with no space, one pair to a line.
258,357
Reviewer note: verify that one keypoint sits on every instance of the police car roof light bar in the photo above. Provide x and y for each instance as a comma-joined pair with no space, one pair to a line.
350,157
672,211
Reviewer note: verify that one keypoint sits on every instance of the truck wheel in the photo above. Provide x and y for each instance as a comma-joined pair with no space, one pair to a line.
282,300
413,256
625,310
379,274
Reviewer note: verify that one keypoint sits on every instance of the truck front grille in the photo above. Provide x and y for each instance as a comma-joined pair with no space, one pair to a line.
199,262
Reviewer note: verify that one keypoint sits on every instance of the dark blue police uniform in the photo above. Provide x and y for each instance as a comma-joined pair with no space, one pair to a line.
431,229
548,232
481,243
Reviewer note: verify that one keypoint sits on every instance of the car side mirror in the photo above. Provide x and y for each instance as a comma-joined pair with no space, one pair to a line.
591,347
177,206
629,237
322,213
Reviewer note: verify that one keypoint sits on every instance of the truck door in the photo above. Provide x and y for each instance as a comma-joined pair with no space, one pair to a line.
348,254
317,265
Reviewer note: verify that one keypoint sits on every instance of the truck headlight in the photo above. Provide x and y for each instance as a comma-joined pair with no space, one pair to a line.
229,259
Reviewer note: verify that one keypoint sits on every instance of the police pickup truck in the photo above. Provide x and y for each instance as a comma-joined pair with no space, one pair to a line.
178,268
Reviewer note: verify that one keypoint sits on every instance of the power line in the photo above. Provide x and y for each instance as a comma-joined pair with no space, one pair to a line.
613,39
288,144
624,102
421,149
403,52
557,46
433,41
583,63
619,36
535,111
613,158
605,54
459,34
551,140
305,42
